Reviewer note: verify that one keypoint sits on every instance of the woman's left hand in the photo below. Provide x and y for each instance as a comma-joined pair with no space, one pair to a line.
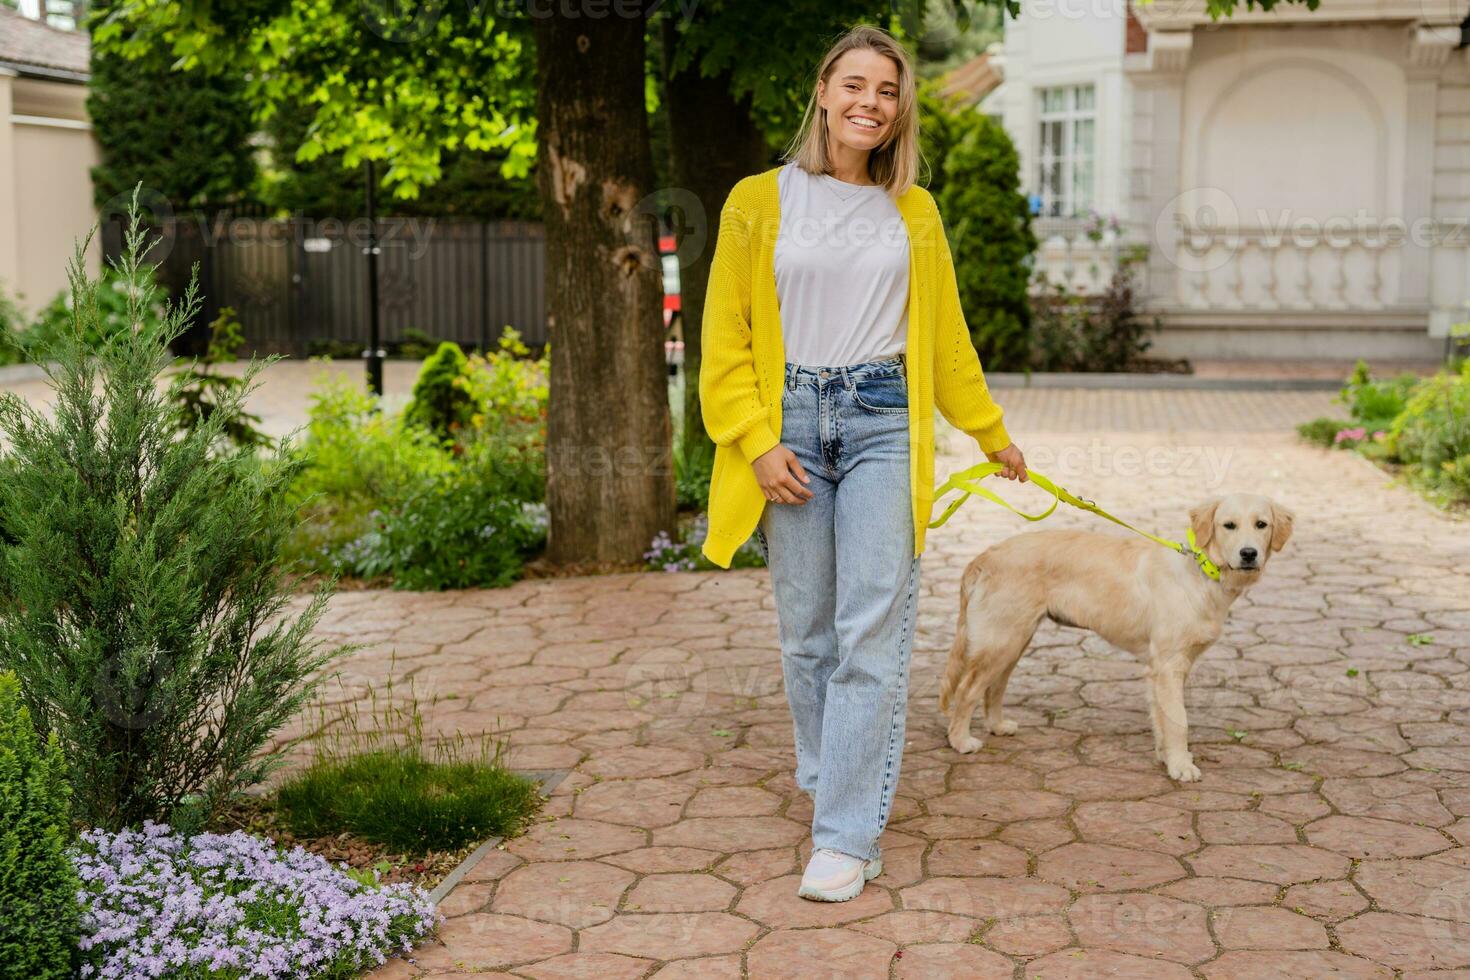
1015,463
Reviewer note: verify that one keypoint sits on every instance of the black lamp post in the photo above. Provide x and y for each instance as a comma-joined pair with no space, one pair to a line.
374,354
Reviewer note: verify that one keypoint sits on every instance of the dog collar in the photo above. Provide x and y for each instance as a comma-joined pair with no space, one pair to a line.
1210,569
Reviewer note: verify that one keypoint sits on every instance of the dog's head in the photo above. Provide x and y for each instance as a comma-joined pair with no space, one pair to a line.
1239,531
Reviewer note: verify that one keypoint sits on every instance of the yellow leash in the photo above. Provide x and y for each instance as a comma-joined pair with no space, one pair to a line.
967,482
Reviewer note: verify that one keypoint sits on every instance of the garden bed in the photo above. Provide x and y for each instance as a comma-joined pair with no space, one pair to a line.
427,869
1417,429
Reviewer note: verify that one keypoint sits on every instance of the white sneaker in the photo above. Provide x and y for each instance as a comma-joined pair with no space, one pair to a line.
832,876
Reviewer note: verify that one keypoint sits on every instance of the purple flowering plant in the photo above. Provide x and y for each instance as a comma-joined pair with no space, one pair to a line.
666,554
233,906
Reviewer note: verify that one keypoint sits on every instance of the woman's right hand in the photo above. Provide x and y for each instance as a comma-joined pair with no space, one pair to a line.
777,470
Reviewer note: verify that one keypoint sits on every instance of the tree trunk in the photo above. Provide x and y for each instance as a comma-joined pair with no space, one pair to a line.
609,480
714,143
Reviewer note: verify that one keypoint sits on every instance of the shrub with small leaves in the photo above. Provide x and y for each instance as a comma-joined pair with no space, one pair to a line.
1374,403
1432,434
39,914
1421,424
1321,431
1082,332
988,225
453,507
470,528
509,386
442,400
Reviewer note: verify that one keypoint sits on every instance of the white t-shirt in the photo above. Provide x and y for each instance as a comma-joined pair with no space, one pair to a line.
842,270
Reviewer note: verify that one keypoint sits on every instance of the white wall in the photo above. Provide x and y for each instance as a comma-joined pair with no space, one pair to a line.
1302,133
1067,42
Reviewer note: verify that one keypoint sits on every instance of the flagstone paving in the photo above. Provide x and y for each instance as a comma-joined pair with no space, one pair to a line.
1329,836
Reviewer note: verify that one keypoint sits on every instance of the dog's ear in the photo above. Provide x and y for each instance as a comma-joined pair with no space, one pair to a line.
1202,519
1281,526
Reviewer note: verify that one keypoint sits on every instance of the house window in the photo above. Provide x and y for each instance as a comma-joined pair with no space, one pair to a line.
1067,128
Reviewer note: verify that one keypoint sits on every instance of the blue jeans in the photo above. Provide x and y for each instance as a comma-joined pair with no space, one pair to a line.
846,581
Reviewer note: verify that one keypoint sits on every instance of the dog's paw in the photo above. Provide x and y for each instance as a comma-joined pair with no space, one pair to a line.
1184,770
1006,727
967,744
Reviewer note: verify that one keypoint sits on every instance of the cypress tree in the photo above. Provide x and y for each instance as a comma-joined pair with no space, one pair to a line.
145,616
989,224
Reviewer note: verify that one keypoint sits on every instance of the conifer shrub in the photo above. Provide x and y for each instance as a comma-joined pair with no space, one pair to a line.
146,617
442,401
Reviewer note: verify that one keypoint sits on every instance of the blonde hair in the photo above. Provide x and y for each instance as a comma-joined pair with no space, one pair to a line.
894,163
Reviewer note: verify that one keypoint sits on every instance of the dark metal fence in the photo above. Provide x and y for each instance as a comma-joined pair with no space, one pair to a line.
296,283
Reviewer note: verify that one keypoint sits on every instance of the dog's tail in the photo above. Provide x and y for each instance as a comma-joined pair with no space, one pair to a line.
971,584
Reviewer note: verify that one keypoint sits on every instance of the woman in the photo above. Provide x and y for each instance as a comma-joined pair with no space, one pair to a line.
832,328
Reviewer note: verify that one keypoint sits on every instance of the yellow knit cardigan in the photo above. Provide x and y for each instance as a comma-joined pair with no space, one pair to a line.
743,365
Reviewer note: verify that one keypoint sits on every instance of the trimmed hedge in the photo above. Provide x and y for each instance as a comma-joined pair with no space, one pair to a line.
39,916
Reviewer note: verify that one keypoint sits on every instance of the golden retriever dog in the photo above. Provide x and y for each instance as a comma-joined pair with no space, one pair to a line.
1152,601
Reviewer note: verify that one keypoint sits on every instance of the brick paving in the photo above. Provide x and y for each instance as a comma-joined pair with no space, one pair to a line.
1329,836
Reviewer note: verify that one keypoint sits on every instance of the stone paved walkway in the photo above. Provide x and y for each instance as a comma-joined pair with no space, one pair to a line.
1329,837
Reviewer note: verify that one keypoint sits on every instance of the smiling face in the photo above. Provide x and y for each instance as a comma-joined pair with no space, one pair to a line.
1240,531
861,98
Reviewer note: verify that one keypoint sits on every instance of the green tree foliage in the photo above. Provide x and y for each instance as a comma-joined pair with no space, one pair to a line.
953,33
39,914
401,83
472,186
989,228
145,617
185,136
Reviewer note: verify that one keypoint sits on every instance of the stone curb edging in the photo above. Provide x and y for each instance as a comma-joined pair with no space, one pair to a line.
1155,381
548,778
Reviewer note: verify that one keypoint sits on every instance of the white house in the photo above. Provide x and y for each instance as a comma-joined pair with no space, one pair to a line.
1302,178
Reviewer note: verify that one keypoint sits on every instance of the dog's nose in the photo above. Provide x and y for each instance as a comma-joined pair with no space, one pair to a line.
1248,554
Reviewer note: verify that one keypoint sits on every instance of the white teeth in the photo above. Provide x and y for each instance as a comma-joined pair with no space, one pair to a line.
865,123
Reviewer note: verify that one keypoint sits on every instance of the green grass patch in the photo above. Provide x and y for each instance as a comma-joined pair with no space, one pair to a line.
397,798
375,776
